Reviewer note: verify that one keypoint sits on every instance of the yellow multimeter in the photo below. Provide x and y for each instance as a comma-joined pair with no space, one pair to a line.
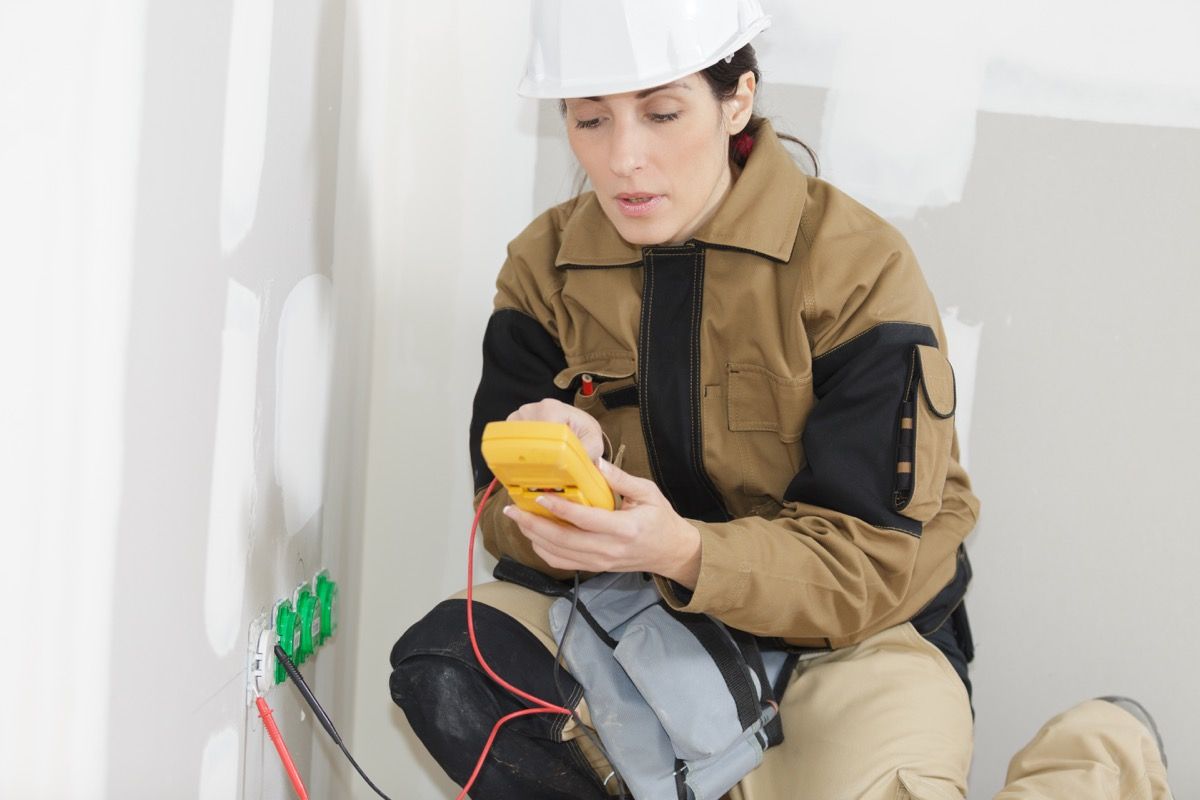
536,458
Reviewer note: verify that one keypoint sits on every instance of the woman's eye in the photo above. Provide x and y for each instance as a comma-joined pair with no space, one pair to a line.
592,123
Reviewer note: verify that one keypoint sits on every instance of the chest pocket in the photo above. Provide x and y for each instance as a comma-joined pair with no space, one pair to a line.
613,403
766,414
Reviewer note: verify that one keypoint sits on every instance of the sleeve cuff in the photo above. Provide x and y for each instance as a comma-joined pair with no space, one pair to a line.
724,575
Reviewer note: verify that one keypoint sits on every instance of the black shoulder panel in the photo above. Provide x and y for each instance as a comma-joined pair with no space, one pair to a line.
850,438
520,360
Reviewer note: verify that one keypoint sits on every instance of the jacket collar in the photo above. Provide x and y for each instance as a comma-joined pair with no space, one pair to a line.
760,214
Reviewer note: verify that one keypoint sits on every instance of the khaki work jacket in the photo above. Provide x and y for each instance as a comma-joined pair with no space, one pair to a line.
782,376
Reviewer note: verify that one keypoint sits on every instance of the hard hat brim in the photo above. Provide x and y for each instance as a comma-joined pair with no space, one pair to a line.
561,90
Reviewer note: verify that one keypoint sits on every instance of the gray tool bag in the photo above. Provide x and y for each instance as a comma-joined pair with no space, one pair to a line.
684,705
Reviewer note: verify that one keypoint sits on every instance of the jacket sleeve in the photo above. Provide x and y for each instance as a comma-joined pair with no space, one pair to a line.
520,361
880,462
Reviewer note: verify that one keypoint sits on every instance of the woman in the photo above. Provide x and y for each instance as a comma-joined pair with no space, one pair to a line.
765,354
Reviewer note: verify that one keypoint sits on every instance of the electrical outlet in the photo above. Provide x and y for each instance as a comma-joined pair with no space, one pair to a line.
287,634
327,592
308,623
260,658
300,625
263,673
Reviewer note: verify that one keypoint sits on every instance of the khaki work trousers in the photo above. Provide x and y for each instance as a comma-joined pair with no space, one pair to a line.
889,719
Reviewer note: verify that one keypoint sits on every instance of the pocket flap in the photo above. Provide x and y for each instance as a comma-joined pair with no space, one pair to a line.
604,365
937,381
760,400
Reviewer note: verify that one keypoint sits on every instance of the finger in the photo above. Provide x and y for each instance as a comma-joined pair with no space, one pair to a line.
586,518
562,535
557,545
632,487
567,543
531,523
523,412
589,436
546,410
581,423
560,560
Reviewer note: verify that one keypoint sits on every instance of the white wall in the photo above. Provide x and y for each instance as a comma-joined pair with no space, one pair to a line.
188,431
449,174
68,161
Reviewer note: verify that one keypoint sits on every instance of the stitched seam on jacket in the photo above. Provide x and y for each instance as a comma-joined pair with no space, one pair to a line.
697,271
694,385
599,266
857,336
807,284
747,250
644,379
596,355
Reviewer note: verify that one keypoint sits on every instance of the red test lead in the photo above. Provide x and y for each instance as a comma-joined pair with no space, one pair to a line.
543,707
264,711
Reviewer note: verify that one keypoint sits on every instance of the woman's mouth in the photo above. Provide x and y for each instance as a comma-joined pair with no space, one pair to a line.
638,205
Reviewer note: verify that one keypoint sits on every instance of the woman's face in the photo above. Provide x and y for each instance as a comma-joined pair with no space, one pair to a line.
669,144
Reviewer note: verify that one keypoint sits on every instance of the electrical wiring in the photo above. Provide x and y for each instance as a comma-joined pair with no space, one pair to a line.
290,668
540,706
543,707
265,712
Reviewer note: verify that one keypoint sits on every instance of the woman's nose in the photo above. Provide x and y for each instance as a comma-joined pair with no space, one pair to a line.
628,149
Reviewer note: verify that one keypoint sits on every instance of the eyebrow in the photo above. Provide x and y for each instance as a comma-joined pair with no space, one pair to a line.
648,92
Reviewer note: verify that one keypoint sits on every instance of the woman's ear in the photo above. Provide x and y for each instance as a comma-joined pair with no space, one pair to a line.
738,108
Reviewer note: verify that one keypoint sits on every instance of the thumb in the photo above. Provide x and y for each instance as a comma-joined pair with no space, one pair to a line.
629,486
589,436
592,441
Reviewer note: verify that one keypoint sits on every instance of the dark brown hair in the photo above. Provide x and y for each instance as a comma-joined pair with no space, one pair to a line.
722,78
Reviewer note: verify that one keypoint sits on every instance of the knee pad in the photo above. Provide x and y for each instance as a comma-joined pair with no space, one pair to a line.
435,654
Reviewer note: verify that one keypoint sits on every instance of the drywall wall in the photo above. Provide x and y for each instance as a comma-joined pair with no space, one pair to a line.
69,142
192,430
235,320
447,171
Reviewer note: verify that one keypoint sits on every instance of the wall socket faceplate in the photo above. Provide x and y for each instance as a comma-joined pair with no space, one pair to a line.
301,623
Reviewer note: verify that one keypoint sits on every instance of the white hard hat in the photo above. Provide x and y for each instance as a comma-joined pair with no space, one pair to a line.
583,48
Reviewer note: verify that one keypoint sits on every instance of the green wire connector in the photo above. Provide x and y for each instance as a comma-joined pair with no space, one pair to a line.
327,592
308,620
285,628
303,626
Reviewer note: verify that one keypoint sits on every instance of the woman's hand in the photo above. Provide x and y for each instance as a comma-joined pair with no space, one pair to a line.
583,424
644,535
